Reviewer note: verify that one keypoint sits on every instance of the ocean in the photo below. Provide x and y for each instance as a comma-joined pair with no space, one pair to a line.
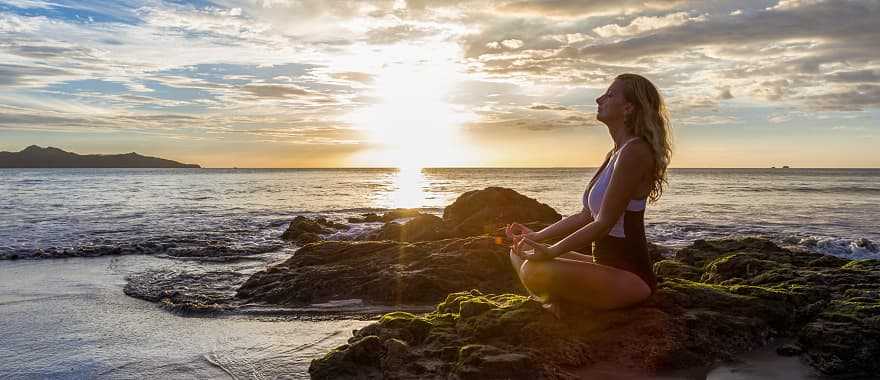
51,212
65,316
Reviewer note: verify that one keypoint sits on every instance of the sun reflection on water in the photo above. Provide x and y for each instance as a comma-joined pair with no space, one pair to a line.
407,189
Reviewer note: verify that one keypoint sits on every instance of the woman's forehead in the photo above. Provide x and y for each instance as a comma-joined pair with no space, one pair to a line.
616,85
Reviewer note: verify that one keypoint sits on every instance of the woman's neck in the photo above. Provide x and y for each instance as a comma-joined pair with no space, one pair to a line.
620,136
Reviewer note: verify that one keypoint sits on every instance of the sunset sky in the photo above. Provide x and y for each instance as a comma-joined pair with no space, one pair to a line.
278,83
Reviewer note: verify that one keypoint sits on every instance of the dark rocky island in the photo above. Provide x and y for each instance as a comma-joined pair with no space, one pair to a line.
37,157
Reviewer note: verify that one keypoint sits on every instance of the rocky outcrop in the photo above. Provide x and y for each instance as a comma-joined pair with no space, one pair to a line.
716,299
303,230
485,211
389,216
383,272
478,212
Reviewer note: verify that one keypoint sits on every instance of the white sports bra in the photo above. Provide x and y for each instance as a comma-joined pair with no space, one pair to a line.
593,198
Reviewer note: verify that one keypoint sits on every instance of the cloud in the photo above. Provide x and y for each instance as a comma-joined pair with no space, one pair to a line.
10,23
13,75
398,33
856,76
546,107
644,24
857,98
580,8
704,120
354,77
275,91
291,70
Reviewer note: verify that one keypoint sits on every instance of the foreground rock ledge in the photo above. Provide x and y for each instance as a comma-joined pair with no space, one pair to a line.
383,272
715,300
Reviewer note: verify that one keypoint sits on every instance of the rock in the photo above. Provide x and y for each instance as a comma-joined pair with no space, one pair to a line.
186,292
400,213
421,228
303,230
484,211
384,272
676,269
789,350
715,300
366,218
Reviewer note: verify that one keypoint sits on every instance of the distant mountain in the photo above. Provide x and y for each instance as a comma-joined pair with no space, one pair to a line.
37,157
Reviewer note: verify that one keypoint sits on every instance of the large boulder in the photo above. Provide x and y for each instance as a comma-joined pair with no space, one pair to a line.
484,211
305,230
384,272
715,300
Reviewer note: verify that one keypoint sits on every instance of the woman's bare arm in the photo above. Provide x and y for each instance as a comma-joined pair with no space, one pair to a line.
565,225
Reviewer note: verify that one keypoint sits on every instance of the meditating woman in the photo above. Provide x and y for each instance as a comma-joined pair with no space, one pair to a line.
619,272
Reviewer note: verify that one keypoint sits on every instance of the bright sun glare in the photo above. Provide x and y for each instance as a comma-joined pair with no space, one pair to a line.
414,125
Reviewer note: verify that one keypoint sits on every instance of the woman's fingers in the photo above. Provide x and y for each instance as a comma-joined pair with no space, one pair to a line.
522,229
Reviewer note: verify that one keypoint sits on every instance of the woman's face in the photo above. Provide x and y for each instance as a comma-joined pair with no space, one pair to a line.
612,105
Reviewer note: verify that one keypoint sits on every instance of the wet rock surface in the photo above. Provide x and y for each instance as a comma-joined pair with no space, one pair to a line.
715,300
195,292
384,272
304,230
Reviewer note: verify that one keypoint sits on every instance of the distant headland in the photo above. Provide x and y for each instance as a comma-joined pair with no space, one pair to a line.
49,157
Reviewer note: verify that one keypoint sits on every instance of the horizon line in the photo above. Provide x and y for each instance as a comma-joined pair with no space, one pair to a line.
527,167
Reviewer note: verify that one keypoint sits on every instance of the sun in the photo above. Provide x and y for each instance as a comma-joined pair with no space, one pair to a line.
413,124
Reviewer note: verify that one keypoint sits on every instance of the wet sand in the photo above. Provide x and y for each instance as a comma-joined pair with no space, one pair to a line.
68,318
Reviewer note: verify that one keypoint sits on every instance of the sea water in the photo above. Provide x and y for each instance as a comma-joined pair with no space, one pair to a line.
831,211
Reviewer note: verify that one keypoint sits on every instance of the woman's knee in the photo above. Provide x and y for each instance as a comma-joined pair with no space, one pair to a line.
535,274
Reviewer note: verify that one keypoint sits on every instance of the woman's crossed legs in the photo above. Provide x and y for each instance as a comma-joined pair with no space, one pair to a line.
575,278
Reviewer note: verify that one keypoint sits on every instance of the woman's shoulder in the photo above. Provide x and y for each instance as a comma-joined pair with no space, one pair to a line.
637,149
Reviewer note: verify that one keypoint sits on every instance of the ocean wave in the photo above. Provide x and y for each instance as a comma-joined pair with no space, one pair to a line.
677,235
202,248
860,248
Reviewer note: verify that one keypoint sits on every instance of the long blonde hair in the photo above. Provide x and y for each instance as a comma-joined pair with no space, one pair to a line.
650,122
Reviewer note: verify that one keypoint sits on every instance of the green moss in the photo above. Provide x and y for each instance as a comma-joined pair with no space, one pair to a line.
676,269
868,264
336,351
474,302
387,318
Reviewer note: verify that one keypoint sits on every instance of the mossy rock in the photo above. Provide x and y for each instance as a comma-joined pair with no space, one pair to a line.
715,300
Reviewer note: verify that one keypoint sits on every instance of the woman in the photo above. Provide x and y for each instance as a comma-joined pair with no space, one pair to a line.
619,272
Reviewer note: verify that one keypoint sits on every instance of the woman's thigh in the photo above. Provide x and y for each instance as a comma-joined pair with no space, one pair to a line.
593,285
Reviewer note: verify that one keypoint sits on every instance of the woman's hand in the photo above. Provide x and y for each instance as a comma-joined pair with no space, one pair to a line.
514,231
542,252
